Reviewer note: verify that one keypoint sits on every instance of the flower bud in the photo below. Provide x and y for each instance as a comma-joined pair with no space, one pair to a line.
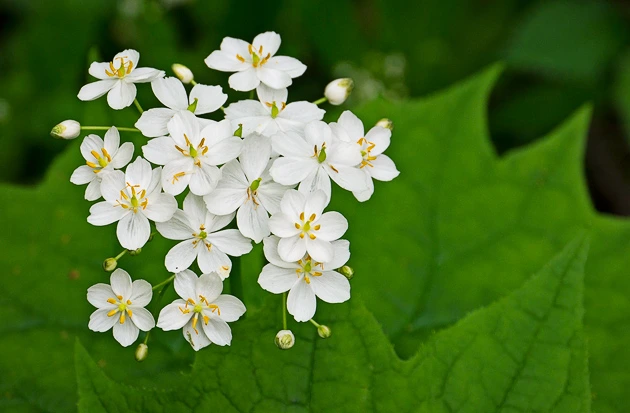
110,264
338,90
68,129
385,123
133,253
285,339
323,331
239,131
347,271
142,352
183,73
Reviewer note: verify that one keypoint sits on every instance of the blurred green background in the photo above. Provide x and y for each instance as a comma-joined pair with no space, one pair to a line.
559,55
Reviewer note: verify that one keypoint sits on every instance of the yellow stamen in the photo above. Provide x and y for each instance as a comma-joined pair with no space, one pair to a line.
312,236
206,319
239,57
317,274
128,302
130,312
302,216
317,227
91,164
187,141
194,323
106,154
95,154
177,176
119,297
111,313
334,169
122,317
111,301
302,235
297,226
312,217
123,195
308,280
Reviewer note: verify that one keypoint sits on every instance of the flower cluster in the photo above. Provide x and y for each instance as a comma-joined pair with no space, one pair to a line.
262,174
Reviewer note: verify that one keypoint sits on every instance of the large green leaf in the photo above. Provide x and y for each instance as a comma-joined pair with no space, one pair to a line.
524,353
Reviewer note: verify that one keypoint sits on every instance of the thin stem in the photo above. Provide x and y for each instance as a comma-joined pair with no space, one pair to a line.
108,127
251,94
284,310
157,303
314,323
222,108
135,102
192,82
119,256
322,100
168,280
236,283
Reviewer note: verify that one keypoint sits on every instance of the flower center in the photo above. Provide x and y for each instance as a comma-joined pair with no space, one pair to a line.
136,201
366,148
275,111
123,69
201,237
307,267
198,308
122,308
320,154
256,56
307,227
192,152
101,160
251,191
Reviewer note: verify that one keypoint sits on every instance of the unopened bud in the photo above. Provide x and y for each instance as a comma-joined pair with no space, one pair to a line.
68,129
285,339
110,264
183,73
347,271
323,331
385,123
133,253
239,131
338,90
142,352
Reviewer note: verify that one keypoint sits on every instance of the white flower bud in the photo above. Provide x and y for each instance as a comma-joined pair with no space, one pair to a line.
338,90
347,271
68,129
110,264
324,331
142,352
385,123
183,73
285,339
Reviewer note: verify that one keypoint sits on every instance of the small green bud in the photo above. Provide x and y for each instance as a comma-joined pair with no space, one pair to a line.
324,331
285,339
142,352
183,73
68,129
385,123
322,155
193,106
133,253
254,186
110,264
239,131
347,271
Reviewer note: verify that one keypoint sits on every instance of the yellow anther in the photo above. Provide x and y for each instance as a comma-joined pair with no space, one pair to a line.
106,154
124,195
334,169
177,176
225,267
203,140
181,150
128,302
143,193
308,280
187,141
214,308
119,297
194,323
111,301
312,236
130,312
205,150
191,301
302,216
302,235
184,310
91,164
317,274
297,226
240,58
312,217
122,317
95,154
111,313
203,299
317,227
206,319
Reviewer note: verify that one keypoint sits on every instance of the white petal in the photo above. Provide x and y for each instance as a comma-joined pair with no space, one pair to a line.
177,228
218,331
214,261
172,182
231,307
253,221
267,94
348,177
111,140
126,333
142,293
383,168
319,249
91,143
244,81
341,254
209,286
184,123
270,248
316,201
111,185
290,65
250,114
301,113
160,207
171,92
93,190
270,193
133,231
291,144
98,294
380,137
319,133
195,208
139,172
224,151
129,55
142,318
363,196
301,302
83,175
344,153
196,338
100,322
121,95
282,226
204,179
234,46
227,62
216,132
292,249
171,317
181,256
104,213
269,41
161,151
290,171
152,122
98,69
273,78
185,284
255,156
277,280
231,191
123,156
95,90
209,98
352,125
333,226
121,283
293,204
231,242
331,287
144,75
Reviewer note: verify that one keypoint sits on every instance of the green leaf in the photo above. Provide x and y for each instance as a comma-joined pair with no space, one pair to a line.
524,353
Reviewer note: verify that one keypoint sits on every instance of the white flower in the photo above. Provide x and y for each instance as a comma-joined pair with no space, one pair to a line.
118,78
306,278
132,199
201,239
121,307
171,92
190,156
101,157
255,63
248,188
338,90
304,229
271,113
374,165
203,312
313,158
68,129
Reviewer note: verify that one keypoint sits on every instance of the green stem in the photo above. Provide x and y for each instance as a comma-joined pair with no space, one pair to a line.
108,127
322,100
119,256
251,94
314,323
192,82
157,303
236,283
284,311
168,280
135,102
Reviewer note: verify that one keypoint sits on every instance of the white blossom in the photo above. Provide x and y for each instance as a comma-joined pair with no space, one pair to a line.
101,157
132,199
117,79
171,92
202,311
68,129
190,155
338,90
304,228
246,186
255,63
120,305
375,165
306,278
201,239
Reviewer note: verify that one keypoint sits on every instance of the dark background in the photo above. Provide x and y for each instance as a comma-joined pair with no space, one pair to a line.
559,55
